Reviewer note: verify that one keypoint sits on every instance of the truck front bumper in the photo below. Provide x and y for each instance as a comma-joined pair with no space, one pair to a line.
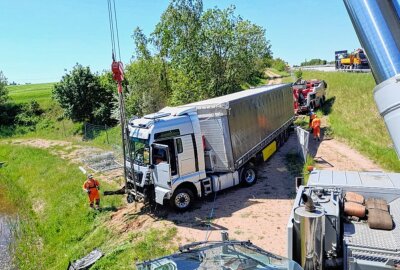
161,194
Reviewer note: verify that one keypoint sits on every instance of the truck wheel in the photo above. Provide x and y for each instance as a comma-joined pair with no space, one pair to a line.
182,199
248,177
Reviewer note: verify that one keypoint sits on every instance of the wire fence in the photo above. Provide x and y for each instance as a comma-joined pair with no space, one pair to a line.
91,131
109,137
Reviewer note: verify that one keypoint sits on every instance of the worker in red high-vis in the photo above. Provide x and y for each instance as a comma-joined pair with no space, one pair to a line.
92,187
316,126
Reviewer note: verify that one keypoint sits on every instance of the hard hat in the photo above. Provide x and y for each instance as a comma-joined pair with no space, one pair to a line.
90,176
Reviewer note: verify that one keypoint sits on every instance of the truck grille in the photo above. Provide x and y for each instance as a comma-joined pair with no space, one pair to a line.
138,176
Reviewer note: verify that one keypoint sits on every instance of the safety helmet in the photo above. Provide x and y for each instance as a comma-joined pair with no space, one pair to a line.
90,176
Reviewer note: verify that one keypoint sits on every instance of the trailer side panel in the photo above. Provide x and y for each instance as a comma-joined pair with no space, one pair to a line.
255,118
217,144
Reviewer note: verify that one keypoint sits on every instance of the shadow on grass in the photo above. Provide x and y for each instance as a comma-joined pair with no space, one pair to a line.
327,107
109,209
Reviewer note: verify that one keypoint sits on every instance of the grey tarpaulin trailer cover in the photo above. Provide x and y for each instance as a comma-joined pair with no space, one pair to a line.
239,125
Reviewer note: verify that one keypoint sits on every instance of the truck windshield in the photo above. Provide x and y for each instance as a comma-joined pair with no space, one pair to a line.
140,151
222,255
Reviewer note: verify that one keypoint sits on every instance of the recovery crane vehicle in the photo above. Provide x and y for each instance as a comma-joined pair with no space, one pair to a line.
308,95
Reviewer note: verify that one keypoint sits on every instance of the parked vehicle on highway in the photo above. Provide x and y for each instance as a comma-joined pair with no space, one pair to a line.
308,95
187,152
354,60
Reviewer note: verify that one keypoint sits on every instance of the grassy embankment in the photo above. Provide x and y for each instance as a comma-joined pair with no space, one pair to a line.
281,73
25,93
51,124
55,223
353,117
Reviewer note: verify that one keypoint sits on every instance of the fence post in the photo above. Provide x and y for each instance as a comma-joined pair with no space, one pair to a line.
105,126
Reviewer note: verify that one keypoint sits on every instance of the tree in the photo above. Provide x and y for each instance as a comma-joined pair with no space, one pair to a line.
147,91
298,73
3,89
83,98
279,64
178,41
192,55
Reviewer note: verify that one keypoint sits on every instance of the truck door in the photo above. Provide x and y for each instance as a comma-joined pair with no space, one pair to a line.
162,169
186,155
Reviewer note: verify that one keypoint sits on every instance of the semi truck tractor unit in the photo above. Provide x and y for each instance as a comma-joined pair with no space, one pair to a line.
346,220
187,152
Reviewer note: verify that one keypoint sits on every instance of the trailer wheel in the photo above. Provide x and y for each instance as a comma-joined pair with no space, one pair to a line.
182,199
248,177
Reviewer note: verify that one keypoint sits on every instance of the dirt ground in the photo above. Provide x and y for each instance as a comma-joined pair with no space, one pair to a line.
259,213
72,152
275,78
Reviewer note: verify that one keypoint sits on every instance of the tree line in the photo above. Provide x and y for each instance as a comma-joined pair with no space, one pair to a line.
192,54
313,62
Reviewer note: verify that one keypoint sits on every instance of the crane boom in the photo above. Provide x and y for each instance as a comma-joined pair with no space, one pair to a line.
377,24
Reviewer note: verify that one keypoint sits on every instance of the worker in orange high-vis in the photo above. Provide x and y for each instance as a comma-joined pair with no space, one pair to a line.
316,124
92,187
312,115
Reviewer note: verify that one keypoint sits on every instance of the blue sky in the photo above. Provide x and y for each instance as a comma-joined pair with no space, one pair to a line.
41,39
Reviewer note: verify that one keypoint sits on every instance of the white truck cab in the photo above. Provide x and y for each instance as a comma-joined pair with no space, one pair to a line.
168,156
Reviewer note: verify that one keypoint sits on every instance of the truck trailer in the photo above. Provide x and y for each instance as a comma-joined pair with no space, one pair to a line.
344,231
187,152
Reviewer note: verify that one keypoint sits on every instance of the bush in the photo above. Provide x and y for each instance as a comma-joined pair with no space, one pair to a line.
298,74
8,113
83,98
19,118
278,64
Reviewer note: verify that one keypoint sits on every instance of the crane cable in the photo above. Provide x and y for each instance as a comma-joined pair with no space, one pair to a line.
118,76
112,17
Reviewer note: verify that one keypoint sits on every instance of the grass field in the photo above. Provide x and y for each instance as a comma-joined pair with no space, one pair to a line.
26,93
353,115
55,223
